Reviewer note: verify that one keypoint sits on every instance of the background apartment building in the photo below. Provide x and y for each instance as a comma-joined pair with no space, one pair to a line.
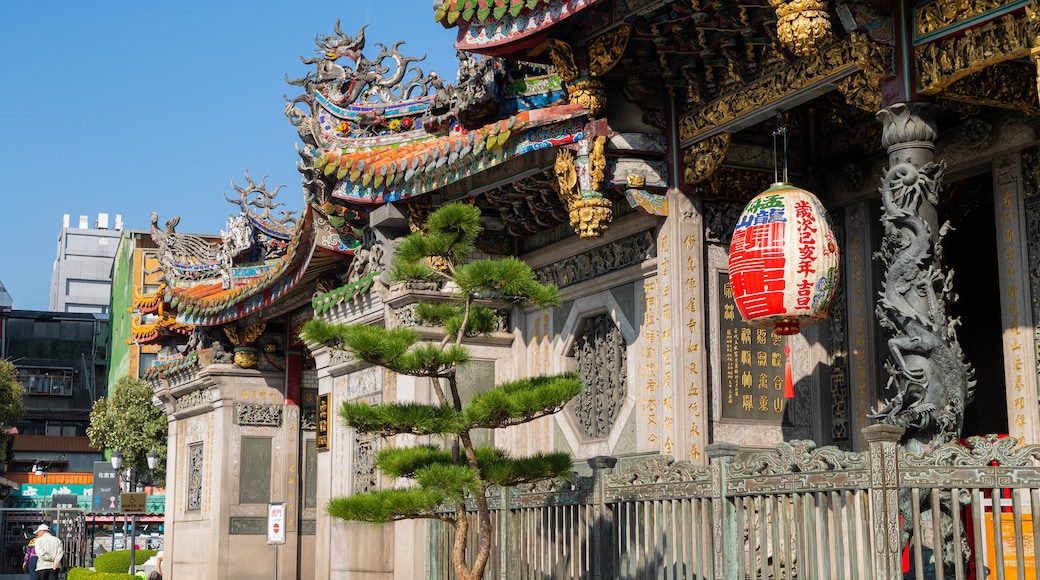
82,276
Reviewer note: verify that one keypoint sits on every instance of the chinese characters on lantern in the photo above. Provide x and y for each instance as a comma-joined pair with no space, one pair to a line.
757,257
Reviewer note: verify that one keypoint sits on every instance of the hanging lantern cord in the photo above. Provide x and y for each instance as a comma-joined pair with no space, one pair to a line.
779,132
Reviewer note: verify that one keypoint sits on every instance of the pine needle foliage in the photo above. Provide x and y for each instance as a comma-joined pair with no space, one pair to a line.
461,474
386,505
498,468
401,418
522,400
405,461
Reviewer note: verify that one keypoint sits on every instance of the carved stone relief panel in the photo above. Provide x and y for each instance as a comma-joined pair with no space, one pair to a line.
363,383
195,473
600,260
256,415
600,351
1031,186
192,399
364,475
840,431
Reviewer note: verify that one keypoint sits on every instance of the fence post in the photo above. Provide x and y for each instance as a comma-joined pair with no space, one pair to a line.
884,500
602,552
724,532
505,524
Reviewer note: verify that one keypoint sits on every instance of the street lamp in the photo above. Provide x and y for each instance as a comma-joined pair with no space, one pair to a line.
131,479
43,470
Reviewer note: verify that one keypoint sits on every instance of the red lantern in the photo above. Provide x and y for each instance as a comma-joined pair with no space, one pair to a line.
783,260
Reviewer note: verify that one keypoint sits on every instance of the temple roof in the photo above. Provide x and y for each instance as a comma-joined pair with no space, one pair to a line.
485,25
393,173
379,130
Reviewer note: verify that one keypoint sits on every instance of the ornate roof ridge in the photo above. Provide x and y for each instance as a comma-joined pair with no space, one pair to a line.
387,174
486,24
196,306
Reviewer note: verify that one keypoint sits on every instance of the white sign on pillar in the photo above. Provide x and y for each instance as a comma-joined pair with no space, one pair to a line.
276,523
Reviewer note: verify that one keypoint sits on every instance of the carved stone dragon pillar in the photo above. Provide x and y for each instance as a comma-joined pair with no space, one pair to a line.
931,381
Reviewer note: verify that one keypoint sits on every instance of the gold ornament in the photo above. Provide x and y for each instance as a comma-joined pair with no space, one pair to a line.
597,163
562,56
253,332
566,174
246,359
591,94
802,25
704,157
607,49
590,216
943,62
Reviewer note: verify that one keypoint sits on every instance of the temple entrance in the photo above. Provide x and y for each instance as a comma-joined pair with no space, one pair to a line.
971,251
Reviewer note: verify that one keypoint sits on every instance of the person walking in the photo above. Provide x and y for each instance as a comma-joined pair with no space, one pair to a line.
49,552
29,562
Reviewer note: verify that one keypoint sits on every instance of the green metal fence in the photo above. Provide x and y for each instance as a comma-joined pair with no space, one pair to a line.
795,512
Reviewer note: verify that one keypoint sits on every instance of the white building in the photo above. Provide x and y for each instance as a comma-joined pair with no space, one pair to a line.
82,277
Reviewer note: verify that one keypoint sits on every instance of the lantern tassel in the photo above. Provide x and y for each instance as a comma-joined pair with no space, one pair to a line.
788,379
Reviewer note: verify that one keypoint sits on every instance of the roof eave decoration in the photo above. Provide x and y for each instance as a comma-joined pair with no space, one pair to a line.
209,309
146,332
255,263
824,70
379,130
392,174
487,25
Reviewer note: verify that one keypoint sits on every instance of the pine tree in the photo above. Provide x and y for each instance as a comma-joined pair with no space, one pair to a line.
463,471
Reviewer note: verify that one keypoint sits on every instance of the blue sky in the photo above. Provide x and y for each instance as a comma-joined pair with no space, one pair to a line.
133,107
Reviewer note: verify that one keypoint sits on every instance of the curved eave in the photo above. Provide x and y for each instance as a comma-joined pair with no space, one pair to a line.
209,310
504,26
391,174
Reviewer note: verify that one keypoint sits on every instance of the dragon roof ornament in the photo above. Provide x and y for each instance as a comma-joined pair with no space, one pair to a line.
253,235
368,81
255,195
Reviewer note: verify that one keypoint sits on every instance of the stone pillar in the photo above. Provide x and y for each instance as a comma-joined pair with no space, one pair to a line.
1016,311
724,529
884,500
682,268
933,383
864,386
602,519
323,531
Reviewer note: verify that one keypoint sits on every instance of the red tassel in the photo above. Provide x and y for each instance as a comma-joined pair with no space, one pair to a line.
788,380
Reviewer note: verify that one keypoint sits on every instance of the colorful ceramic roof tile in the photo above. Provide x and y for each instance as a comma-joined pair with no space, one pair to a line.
211,302
388,174
145,332
486,24
259,258
370,137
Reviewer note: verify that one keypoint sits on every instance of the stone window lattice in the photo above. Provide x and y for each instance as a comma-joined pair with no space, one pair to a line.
600,352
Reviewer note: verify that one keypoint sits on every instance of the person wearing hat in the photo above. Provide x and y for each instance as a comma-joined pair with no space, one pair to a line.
49,552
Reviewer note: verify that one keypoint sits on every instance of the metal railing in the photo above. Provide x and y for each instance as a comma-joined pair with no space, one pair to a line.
794,512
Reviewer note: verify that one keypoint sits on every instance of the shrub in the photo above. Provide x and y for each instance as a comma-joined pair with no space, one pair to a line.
118,561
80,574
